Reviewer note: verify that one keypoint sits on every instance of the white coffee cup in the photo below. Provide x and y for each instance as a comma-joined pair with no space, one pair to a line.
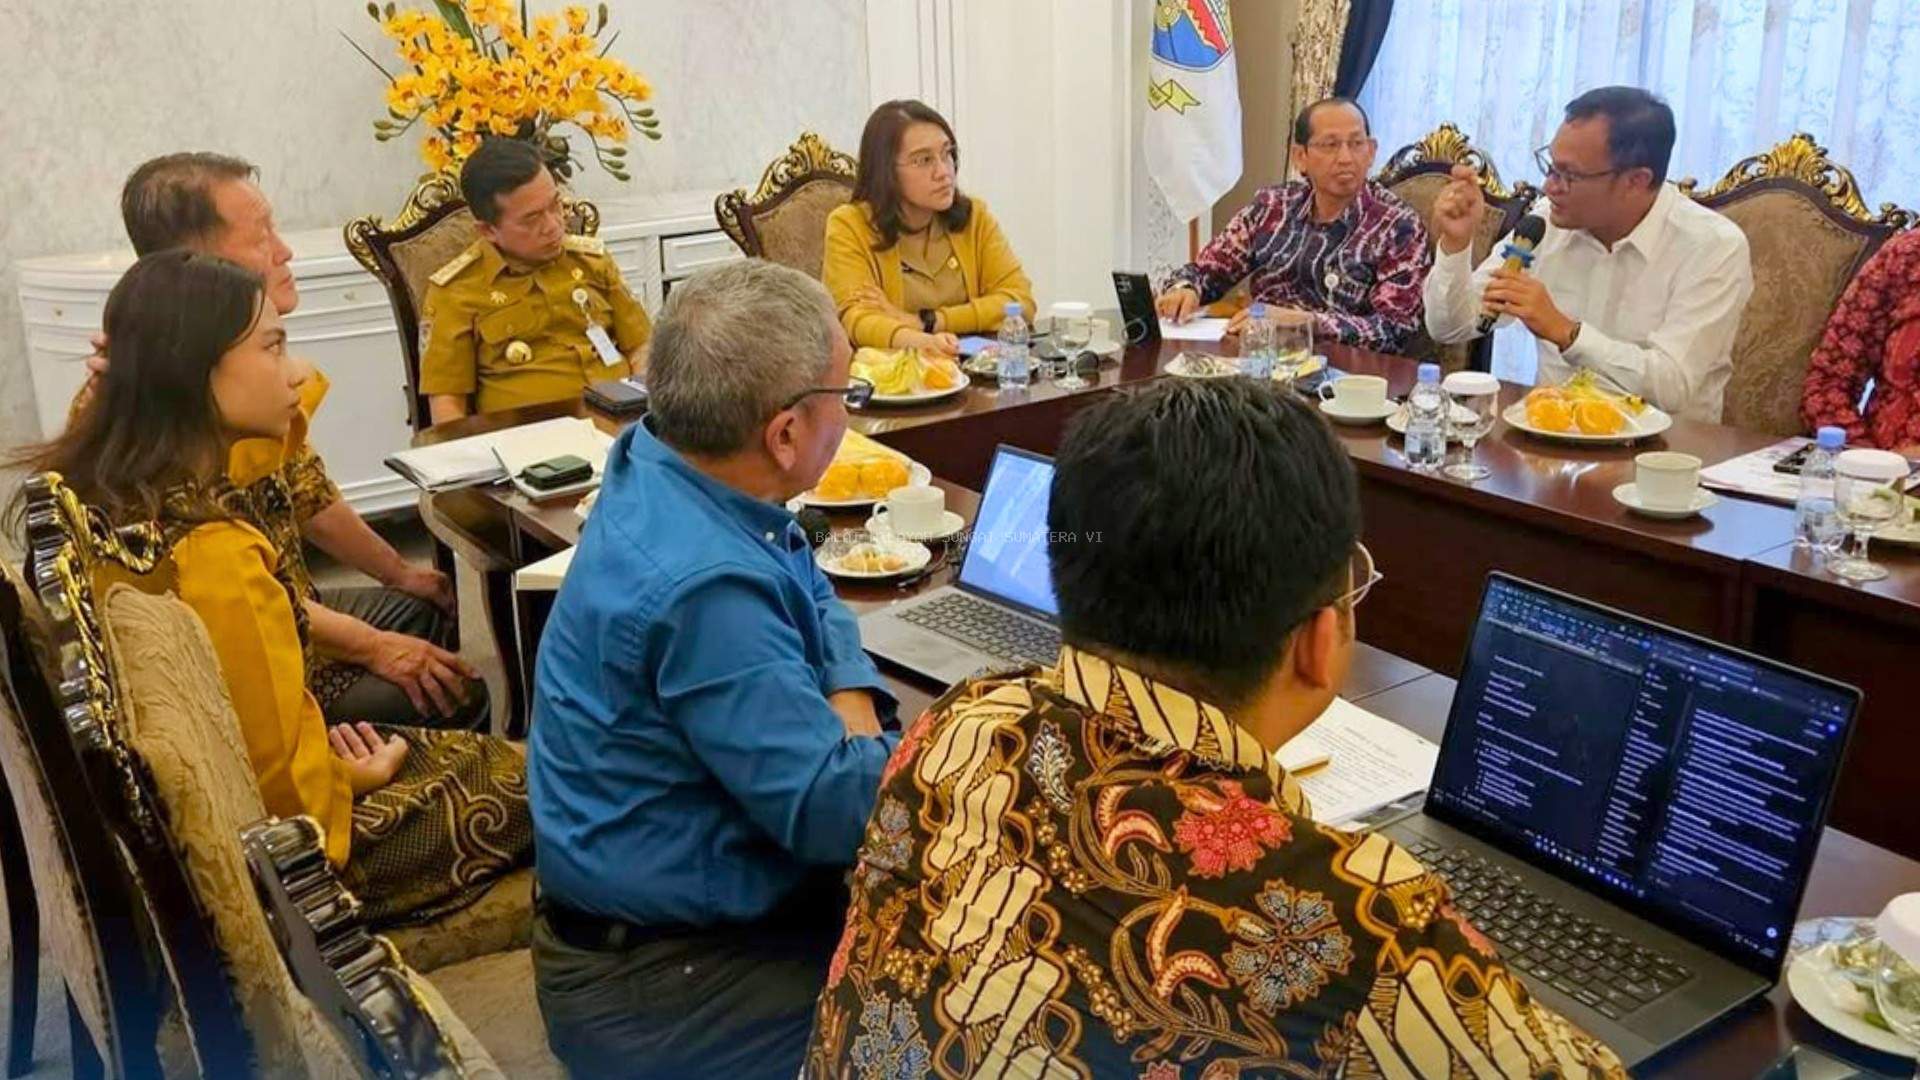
1666,480
1356,394
914,510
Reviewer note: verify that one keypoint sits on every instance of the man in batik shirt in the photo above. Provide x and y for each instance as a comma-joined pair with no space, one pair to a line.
1332,242
1099,871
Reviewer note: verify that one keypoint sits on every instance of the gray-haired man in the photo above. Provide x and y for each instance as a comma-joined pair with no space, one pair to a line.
707,736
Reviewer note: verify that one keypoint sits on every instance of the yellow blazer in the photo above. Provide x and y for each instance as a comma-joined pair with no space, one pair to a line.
993,275
225,574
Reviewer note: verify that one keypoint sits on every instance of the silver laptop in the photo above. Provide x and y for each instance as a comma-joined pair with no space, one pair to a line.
999,612
1628,811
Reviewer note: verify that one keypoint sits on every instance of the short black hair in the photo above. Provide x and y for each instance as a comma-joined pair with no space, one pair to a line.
1303,122
168,202
1639,126
497,166
1195,523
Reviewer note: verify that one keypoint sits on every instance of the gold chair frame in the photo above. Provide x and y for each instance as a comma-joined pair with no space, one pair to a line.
809,159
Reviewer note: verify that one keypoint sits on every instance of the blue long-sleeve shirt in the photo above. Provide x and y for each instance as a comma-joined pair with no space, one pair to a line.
684,764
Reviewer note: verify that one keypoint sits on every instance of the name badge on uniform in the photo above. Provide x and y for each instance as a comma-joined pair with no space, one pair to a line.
597,334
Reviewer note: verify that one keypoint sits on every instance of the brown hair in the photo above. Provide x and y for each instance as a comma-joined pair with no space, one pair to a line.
876,185
152,422
168,202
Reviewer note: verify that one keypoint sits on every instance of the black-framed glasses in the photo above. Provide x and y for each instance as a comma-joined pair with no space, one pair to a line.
1543,157
857,392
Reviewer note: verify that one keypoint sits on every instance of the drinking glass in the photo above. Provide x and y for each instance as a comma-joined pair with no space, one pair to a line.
1473,399
1865,497
1292,344
1071,333
1896,993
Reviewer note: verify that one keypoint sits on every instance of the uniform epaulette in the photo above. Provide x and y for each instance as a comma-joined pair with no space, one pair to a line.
458,263
587,245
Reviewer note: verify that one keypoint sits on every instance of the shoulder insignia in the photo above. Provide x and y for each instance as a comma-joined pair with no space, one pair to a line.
586,245
459,262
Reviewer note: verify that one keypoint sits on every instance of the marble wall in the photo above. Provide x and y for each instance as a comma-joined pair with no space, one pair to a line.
97,86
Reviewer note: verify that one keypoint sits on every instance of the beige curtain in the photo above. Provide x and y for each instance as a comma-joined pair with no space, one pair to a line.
1316,55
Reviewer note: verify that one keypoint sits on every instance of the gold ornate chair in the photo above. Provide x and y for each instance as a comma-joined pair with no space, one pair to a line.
1808,232
433,227
263,947
83,907
785,219
1417,173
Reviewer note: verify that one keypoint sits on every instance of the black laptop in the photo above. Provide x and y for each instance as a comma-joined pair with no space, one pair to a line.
1628,811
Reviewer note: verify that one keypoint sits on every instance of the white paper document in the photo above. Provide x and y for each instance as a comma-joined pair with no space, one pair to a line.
483,459
546,574
1752,474
1193,330
1372,761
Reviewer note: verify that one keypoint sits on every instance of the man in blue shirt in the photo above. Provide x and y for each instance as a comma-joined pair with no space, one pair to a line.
707,735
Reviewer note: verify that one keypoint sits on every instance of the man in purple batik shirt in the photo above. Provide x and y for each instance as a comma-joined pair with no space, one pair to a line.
1331,243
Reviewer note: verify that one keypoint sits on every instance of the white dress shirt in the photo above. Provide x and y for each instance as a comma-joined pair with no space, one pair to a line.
1657,314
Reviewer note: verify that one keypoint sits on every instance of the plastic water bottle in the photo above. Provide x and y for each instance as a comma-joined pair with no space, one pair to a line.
1816,525
1426,442
1257,345
1016,365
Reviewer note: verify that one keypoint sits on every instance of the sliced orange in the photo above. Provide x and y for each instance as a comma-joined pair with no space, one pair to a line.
1599,417
1550,414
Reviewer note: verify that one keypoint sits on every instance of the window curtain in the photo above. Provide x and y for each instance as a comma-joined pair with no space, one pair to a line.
1741,75
1316,54
1367,22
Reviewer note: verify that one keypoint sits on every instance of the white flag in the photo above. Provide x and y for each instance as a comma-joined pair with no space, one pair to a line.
1193,105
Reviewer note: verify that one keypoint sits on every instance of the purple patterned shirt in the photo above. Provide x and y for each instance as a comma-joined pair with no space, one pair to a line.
1360,274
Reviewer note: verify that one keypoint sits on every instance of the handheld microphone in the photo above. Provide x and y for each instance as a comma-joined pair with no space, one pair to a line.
1519,253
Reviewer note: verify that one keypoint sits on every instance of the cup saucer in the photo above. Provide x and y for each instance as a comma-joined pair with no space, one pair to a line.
1336,412
950,524
1628,495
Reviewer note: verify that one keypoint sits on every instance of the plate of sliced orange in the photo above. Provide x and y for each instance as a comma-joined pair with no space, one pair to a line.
1582,411
908,376
862,473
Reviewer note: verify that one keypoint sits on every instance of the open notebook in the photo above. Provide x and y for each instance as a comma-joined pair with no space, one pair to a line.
484,459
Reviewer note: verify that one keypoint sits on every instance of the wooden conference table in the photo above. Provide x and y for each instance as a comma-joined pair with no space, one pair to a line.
1546,514
1850,876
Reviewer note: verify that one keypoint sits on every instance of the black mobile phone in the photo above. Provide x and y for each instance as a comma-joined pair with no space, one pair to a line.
1794,462
557,472
617,397
1139,320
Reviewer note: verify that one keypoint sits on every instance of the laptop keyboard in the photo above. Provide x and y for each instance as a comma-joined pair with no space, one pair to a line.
989,628
1537,937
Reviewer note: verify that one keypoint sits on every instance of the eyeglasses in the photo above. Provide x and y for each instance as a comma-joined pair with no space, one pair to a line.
1364,576
1332,147
1544,159
857,392
924,160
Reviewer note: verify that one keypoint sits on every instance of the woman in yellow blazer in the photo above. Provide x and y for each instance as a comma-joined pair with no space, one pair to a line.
911,262
421,821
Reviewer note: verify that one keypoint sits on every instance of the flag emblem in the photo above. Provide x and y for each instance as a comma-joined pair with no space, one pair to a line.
1192,34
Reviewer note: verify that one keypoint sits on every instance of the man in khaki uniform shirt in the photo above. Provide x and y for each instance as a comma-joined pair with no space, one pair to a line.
525,314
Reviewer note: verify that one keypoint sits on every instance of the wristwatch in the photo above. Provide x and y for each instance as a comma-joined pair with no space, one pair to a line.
926,319
1572,336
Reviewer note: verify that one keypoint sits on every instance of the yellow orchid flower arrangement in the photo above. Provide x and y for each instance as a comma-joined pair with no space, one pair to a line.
479,68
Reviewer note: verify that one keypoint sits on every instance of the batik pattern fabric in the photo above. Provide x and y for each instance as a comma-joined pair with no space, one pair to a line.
1874,333
1361,274
1082,872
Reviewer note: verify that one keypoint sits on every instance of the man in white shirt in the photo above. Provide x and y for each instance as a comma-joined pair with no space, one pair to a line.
1632,279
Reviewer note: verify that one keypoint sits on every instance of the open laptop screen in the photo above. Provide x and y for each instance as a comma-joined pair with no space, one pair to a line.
1007,557
1686,780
